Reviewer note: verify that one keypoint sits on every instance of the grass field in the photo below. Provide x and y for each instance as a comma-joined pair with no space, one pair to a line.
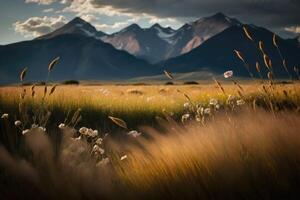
209,141
139,105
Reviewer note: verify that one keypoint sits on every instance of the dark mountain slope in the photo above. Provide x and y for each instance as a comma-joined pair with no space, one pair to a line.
81,58
217,53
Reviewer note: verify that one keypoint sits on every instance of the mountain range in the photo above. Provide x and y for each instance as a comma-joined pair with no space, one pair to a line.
206,45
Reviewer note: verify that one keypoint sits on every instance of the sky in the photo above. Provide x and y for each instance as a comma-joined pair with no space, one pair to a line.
27,19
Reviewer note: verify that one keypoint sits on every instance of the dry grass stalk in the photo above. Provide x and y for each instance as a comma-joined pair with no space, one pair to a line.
23,74
168,74
247,33
267,62
220,86
240,56
53,63
238,85
118,122
45,90
52,89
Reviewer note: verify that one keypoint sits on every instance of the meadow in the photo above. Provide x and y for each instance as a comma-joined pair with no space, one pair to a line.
210,141
140,105
226,139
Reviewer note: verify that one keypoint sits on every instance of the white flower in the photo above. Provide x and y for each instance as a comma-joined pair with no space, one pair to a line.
99,141
218,106
123,157
206,111
240,102
61,126
228,74
34,126
25,131
4,116
213,102
42,128
82,130
97,149
18,123
134,133
185,117
94,133
88,132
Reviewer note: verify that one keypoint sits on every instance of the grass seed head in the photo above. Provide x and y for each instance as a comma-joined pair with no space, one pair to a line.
53,63
118,122
247,33
23,74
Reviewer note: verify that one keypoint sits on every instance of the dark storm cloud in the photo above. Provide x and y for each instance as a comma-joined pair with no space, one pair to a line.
271,13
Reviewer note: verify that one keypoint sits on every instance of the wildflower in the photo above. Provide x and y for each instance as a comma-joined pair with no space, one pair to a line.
198,118
240,102
206,111
99,141
98,149
24,132
42,128
4,116
213,102
218,106
18,123
123,157
134,134
61,126
34,126
185,117
228,74
88,132
82,130
93,133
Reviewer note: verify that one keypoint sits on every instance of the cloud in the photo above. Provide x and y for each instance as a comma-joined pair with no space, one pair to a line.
37,26
42,2
293,29
273,14
48,10
48,2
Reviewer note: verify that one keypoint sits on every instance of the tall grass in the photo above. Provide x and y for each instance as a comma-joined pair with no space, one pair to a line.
233,157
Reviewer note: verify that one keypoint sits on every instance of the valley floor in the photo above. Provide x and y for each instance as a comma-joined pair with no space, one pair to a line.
207,141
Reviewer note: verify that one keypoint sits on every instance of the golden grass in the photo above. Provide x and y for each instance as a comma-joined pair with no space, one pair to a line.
233,157
140,105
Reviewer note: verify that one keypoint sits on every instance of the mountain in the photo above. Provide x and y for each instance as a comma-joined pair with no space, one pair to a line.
150,43
192,35
76,26
81,58
204,47
217,54
158,43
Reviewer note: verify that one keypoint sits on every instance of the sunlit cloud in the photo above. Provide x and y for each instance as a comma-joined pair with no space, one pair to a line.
48,10
37,26
293,29
42,2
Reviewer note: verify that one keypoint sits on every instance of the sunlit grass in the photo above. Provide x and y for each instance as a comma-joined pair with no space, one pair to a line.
137,104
